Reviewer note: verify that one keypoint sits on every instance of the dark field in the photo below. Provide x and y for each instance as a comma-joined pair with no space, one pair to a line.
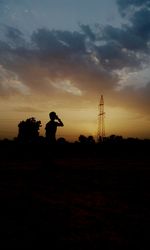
74,196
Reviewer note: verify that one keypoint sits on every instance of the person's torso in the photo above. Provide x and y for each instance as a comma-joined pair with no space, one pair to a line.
51,128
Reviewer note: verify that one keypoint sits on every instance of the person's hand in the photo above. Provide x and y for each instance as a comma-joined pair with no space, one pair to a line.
56,117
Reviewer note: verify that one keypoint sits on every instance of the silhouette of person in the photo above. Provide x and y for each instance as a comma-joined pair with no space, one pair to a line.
51,127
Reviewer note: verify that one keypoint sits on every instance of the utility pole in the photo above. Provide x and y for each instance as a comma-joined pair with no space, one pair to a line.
101,120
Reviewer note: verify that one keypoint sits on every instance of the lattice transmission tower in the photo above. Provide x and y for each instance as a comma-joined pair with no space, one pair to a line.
101,120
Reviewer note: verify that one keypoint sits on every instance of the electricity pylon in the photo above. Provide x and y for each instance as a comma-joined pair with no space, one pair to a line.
101,120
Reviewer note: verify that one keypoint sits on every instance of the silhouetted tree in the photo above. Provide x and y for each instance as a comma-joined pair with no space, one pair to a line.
90,140
115,138
61,140
82,139
29,130
86,140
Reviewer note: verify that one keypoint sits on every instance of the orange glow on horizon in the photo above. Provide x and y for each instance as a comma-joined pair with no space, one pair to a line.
80,121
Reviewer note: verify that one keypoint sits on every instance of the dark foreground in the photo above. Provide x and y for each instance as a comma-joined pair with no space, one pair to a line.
74,197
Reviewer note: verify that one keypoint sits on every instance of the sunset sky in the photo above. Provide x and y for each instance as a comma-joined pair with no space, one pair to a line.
62,55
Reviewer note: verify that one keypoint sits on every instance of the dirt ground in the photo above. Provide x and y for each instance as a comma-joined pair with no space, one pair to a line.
79,201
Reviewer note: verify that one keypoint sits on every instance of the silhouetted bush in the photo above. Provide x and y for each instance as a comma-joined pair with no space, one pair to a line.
82,139
61,140
90,140
29,130
115,138
86,140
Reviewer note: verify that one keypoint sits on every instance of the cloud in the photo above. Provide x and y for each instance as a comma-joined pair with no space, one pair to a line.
88,32
126,37
136,36
80,63
67,86
59,42
129,45
141,23
10,83
14,37
57,55
126,52
131,5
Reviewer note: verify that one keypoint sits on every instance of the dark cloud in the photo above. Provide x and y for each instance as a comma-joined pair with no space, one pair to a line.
14,37
57,55
59,42
88,31
136,35
126,37
113,56
127,46
141,23
47,41
84,60
4,47
126,5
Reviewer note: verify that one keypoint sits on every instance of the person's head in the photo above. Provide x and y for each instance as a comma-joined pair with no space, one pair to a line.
52,115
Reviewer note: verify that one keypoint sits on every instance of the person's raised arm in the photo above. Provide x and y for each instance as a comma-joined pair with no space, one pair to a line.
60,123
